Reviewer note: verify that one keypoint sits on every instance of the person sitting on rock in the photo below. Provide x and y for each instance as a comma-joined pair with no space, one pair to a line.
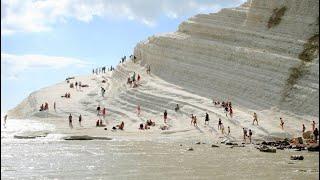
41,107
150,123
164,127
141,126
146,126
121,126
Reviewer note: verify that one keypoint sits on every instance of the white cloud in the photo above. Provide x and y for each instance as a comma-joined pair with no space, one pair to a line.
41,15
13,65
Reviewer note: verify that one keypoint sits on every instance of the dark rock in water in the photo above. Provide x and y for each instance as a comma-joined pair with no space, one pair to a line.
102,138
198,142
105,128
24,137
267,149
180,144
313,147
231,143
204,143
31,135
85,137
190,149
213,145
296,157
237,146
78,138
264,143
280,147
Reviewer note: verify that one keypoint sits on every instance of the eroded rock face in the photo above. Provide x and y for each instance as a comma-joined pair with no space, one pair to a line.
235,54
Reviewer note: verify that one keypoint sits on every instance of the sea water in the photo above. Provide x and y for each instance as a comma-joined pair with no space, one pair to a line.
52,158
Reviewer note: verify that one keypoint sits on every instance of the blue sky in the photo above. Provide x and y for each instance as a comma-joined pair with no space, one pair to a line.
43,42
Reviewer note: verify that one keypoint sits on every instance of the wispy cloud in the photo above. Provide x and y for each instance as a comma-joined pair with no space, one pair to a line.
41,15
15,64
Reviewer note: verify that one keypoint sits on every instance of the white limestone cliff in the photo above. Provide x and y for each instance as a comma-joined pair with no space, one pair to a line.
233,54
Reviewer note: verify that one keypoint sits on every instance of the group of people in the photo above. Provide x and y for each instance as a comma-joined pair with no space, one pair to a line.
100,70
66,95
123,59
44,107
133,80
133,58
78,84
100,111
226,105
70,121
120,126
99,123
194,120
315,130
245,135
147,125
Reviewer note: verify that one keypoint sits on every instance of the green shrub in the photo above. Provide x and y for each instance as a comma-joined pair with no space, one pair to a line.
276,17
309,49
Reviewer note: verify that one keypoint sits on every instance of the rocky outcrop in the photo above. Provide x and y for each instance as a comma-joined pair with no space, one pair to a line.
235,54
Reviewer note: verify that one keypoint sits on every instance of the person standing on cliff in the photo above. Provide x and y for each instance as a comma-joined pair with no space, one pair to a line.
250,135
206,120
165,114
148,69
255,118
195,121
303,128
244,134
5,120
313,125
219,124
192,119
281,123
70,121
98,110
80,119
54,106
138,110
316,133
